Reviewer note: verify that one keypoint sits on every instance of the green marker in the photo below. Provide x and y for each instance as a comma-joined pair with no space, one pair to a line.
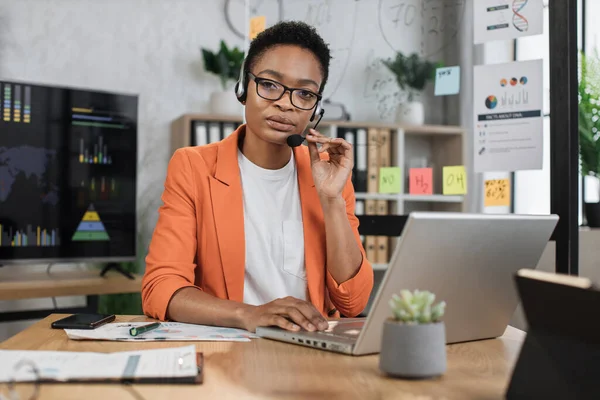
143,329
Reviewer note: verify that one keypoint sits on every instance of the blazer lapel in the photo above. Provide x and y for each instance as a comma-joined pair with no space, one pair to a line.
314,231
228,212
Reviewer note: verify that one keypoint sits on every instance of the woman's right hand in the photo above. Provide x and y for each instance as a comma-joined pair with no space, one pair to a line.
288,313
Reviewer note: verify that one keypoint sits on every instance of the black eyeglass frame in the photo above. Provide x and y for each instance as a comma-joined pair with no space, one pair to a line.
258,79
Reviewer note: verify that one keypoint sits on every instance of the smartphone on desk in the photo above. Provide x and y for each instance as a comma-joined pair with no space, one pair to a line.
83,321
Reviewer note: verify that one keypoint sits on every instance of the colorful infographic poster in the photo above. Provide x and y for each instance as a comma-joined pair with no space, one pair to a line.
508,120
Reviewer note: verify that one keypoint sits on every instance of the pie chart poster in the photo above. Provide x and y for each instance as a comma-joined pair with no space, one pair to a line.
508,119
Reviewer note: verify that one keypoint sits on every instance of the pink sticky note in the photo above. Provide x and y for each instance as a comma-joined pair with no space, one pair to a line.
421,181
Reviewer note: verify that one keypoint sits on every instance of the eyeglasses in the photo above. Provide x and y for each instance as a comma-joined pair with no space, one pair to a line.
272,90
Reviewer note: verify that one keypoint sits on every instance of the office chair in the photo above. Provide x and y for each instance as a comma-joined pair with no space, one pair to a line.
379,225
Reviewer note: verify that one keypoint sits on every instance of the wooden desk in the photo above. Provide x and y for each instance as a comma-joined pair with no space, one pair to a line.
265,369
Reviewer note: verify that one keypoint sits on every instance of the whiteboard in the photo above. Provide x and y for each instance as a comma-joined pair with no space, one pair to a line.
362,32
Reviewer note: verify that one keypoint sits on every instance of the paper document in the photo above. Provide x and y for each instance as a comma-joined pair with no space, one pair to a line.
170,331
166,364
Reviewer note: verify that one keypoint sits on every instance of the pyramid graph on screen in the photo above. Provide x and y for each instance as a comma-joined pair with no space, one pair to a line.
90,228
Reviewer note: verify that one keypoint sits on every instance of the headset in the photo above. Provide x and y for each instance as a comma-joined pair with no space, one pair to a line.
241,93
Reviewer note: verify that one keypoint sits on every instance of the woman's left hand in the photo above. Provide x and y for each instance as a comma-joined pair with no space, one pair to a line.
330,176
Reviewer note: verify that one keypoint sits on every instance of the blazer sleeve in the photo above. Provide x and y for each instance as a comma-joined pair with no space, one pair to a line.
170,262
351,297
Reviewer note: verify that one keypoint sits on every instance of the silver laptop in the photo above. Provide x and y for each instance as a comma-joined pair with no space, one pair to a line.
467,260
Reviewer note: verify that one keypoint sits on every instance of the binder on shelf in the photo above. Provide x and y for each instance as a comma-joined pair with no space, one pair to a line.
214,132
359,210
361,160
372,186
559,357
348,134
385,152
228,129
200,133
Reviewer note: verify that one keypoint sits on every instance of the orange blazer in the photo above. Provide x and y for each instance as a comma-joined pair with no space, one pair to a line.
199,240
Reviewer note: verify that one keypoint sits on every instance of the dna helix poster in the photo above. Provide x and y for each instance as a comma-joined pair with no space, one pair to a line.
506,19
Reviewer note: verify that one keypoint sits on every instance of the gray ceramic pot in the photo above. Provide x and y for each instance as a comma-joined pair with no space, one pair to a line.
413,351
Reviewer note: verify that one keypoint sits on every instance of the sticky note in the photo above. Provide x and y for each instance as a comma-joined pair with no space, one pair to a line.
447,81
454,180
497,192
420,181
390,180
257,25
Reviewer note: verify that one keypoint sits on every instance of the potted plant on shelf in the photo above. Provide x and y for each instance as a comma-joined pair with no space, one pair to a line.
412,74
589,131
226,64
414,338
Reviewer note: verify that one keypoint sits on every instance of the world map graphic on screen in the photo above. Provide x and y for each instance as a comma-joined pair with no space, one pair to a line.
31,162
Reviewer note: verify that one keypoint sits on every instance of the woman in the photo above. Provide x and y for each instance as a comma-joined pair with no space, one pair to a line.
253,232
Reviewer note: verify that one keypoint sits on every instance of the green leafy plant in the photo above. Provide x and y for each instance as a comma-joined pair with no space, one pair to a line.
589,114
226,63
412,72
416,307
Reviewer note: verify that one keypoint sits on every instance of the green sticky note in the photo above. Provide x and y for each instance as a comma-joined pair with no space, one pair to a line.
455,180
390,180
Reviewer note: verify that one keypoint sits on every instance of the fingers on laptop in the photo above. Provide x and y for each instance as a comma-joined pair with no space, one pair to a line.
304,314
318,321
284,323
292,314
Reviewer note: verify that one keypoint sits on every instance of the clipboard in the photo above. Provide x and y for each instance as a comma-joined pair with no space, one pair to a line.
560,354
193,377
190,379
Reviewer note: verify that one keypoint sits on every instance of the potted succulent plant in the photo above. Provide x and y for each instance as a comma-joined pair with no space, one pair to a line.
414,339
412,74
589,131
226,64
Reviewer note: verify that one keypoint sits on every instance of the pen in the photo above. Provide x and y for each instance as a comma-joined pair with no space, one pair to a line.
143,329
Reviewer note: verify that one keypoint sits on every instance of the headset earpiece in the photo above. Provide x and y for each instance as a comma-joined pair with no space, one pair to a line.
240,86
318,111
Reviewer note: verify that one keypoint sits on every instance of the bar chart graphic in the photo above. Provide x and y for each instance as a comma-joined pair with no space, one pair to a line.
96,154
39,237
90,117
16,103
102,188
90,229
6,102
27,108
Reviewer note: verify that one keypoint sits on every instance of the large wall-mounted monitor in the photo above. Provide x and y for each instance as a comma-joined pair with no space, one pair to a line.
68,160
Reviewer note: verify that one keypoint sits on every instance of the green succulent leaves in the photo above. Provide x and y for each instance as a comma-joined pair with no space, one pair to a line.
416,307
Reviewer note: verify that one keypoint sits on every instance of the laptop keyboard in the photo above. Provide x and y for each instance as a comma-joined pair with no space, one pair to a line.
345,330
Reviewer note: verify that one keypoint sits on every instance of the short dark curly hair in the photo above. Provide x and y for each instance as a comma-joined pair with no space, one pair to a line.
290,33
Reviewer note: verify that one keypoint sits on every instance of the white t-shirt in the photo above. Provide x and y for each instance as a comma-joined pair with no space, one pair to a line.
273,232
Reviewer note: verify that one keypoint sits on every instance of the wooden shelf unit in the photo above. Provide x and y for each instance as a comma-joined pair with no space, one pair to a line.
444,145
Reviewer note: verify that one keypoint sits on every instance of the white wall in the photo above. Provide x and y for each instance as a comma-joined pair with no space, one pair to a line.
152,48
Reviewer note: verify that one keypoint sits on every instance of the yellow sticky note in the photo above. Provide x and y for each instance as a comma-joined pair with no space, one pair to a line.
455,180
390,180
497,192
257,25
